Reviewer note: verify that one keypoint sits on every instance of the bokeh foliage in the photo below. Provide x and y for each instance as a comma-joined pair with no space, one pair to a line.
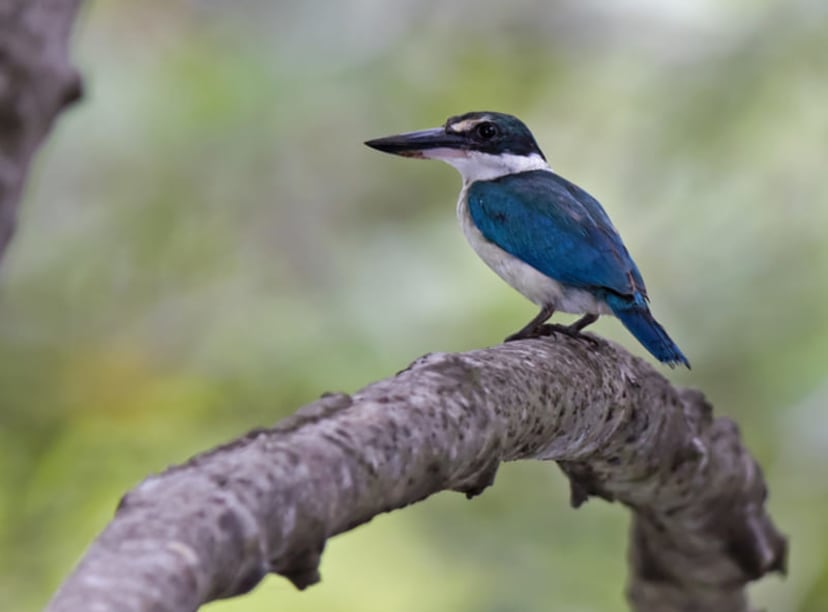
206,245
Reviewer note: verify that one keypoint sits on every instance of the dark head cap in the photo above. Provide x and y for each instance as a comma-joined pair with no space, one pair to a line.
487,132
494,133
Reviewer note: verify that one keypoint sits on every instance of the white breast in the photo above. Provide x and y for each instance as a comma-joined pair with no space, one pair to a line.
539,288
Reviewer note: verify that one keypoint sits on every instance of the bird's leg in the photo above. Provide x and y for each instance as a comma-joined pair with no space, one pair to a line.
535,327
587,319
572,330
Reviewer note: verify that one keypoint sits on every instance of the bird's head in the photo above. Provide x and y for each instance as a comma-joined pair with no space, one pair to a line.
481,145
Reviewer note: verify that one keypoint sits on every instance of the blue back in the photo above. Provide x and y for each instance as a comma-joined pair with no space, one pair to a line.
557,228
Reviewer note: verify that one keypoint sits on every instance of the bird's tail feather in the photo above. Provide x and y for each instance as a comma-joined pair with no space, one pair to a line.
637,318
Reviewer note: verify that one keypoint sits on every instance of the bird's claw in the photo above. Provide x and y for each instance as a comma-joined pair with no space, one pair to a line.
538,331
572,332
549,329
523,334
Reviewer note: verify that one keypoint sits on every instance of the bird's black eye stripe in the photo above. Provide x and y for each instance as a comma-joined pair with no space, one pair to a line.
486,130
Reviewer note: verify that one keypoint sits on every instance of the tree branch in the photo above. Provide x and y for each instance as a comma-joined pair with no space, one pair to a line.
268,501
36,83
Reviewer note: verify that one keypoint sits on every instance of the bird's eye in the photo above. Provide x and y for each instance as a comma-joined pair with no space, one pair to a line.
486,130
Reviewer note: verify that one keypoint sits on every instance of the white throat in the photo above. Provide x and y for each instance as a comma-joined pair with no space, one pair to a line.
477,166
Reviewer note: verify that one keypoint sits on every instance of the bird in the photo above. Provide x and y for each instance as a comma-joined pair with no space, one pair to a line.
542,234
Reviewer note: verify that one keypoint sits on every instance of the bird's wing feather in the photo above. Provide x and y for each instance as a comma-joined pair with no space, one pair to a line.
557,228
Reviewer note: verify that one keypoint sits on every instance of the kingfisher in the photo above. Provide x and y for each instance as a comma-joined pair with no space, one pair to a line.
545,236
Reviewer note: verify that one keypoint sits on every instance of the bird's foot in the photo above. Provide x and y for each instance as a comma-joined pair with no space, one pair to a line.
527,332
549,329
575,331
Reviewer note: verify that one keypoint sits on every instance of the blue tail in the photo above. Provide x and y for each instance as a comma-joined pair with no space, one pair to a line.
636,317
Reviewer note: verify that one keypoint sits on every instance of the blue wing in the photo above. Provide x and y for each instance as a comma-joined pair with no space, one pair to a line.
557,228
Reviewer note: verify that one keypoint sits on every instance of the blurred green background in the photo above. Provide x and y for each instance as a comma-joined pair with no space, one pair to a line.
205,245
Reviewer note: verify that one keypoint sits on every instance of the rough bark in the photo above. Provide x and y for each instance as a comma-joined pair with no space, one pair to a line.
268,501
36,83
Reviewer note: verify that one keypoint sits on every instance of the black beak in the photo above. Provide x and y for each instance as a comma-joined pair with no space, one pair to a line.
414,144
